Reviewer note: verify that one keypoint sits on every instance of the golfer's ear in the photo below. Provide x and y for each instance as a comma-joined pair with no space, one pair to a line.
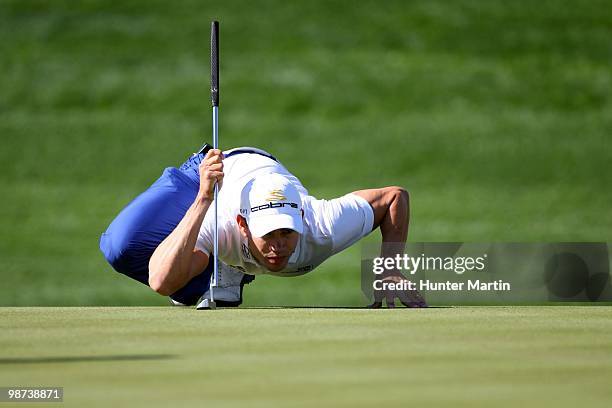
242,225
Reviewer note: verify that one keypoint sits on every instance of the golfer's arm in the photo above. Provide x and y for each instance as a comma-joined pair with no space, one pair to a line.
175,261
391,206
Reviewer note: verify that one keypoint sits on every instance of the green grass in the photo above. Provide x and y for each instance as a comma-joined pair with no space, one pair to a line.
495,115
465,357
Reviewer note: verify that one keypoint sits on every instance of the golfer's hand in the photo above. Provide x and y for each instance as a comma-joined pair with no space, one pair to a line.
409,298
211,172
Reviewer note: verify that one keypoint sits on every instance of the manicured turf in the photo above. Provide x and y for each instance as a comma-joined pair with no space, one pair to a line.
469,356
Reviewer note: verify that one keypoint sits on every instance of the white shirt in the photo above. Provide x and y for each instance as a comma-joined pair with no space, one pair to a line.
330,226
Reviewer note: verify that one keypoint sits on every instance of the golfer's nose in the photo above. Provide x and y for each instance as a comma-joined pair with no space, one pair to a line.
277,244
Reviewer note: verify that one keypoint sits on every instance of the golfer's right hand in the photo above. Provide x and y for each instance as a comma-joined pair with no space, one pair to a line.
409,298
211,172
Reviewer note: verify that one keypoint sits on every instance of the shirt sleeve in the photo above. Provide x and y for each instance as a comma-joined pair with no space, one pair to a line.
346,219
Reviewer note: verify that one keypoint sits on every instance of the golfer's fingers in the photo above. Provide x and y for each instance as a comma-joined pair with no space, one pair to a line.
207,166
375,305
413,304
403,297
212,161
390,297
215,167
213,156
378,295
212,171
417,297
216,175
412,299
212,152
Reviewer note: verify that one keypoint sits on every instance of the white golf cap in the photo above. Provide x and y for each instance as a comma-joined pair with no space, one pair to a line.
270,202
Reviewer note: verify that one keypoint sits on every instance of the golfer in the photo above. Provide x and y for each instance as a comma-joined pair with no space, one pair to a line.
267,223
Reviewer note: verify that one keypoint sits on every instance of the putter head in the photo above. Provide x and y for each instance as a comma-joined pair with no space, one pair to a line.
206,304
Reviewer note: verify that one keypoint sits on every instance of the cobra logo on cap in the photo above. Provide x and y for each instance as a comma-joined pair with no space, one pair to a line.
276,195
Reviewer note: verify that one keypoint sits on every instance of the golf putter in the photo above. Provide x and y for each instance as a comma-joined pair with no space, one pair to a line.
214,93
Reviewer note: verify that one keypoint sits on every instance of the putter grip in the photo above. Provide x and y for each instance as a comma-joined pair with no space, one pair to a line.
214,63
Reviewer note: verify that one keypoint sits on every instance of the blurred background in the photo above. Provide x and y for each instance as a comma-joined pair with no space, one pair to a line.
495,115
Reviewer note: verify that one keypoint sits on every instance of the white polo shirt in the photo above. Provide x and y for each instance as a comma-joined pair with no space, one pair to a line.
330,226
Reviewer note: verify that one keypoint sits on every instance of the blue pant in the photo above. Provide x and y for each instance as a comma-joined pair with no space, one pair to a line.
142,225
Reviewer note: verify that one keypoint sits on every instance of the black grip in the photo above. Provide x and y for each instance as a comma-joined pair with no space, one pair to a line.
214,63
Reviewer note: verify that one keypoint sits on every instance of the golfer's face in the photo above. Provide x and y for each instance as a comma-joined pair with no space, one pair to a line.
274,249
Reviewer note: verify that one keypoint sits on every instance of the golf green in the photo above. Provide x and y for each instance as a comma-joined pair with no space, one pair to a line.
262,357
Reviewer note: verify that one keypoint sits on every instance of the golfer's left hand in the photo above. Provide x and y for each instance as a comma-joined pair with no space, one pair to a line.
409,298
211,173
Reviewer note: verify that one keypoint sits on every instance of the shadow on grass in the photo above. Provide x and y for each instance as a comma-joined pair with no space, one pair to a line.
81,359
